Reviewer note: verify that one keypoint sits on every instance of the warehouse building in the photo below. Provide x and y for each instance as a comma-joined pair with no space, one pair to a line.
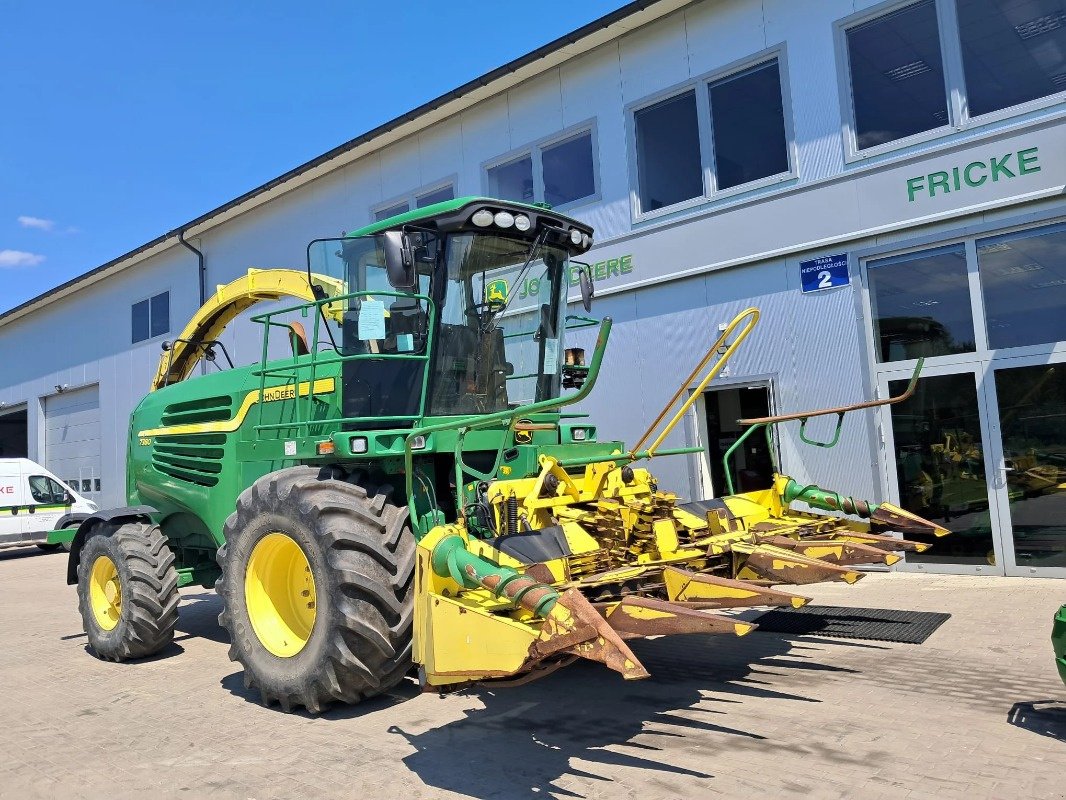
884,180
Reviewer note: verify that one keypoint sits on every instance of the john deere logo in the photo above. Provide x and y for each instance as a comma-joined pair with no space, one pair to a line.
523,437
496,292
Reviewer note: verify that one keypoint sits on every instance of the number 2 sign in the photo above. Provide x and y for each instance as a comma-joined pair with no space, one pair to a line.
824,273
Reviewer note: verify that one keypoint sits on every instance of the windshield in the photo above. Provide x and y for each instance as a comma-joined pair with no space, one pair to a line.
500,328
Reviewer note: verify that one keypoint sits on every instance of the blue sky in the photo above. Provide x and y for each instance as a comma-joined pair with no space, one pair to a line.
121,120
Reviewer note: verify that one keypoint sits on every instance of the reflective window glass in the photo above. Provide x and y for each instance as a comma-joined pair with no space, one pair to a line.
748,124
1023,280
940,467
391,211
568,170
897,75
669,169
513,180
1032,418
160,314
1012,51
436,196
140,321
921,304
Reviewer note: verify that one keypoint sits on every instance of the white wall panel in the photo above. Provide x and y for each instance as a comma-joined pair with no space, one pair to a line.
653,58
534,109
723,32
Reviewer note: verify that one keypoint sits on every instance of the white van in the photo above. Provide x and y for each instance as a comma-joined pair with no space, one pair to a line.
33,502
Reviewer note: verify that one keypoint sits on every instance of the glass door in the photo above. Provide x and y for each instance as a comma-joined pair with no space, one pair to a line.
1028,396
937,465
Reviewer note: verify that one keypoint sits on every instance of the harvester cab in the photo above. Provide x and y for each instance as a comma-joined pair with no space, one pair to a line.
406,491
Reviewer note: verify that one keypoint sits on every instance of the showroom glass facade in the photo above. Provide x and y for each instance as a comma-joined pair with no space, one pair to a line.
981,445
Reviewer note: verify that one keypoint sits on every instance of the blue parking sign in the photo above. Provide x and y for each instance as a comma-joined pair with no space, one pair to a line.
824,273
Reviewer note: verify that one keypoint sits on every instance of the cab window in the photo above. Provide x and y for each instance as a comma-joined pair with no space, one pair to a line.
45,490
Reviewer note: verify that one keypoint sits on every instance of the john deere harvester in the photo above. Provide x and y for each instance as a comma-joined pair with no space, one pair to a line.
400,487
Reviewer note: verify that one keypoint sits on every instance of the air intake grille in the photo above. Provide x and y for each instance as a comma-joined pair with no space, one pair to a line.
194,458
206,409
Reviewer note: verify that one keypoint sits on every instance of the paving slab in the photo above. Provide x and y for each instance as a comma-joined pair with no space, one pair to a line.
976,711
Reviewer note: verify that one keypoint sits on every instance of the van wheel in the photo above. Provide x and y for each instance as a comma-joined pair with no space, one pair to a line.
49,548
127,591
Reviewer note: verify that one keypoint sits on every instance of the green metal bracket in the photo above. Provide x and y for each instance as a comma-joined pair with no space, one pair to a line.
831,443
736,446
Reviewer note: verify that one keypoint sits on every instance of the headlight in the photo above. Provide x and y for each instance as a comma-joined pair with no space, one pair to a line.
580,434
93,506
586,241
504,219
482,218
418,442
575,236
359,444
521,222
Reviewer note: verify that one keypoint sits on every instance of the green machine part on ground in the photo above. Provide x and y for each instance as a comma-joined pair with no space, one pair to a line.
1058,641
395,482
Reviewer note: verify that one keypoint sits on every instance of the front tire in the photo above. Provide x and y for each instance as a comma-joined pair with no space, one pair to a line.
127,591
317,586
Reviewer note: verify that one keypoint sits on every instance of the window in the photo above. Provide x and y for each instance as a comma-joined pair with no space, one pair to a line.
740,116
512,181
1013,51
669,166
391,211
904,65
416,200
45,490
921,304
748,125
151,318
568,173
897,76
558,172
1023,281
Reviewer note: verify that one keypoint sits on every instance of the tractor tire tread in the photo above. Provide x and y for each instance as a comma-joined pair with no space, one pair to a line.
369,552
150,593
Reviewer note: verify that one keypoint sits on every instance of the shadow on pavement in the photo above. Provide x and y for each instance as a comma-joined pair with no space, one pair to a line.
1046,717
526,738
198,617
29,551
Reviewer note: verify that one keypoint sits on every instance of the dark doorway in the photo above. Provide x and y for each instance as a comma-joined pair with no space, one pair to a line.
751,466
13,437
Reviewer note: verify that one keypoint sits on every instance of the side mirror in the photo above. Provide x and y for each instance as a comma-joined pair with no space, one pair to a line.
587,289
399,260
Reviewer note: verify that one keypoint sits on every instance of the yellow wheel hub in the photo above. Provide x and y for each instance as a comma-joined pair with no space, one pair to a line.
279,591
105,593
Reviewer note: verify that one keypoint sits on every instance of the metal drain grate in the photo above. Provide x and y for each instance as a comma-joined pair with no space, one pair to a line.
876,624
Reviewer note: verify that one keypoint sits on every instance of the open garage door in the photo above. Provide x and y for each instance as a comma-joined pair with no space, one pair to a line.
72,439
14,442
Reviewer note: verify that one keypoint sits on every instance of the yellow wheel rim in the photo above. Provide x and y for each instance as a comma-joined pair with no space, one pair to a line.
279,591
105,593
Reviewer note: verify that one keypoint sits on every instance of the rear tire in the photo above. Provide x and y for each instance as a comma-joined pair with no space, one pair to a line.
359,554
127,591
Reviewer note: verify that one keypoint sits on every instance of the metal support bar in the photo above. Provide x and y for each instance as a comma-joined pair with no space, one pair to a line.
750,317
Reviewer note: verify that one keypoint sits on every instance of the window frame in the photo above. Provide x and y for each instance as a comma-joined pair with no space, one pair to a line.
61,501
411,196
959,118
701,85
535,151
149,299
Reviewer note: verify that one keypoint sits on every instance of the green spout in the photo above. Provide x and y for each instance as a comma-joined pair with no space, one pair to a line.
451,559
817,497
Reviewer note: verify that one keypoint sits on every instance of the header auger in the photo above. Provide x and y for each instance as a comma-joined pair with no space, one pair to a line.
406,490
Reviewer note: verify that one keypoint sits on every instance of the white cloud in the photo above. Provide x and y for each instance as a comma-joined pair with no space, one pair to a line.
18,258
37,222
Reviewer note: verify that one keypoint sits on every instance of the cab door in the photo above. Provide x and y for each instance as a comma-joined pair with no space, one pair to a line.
47,502
10,500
